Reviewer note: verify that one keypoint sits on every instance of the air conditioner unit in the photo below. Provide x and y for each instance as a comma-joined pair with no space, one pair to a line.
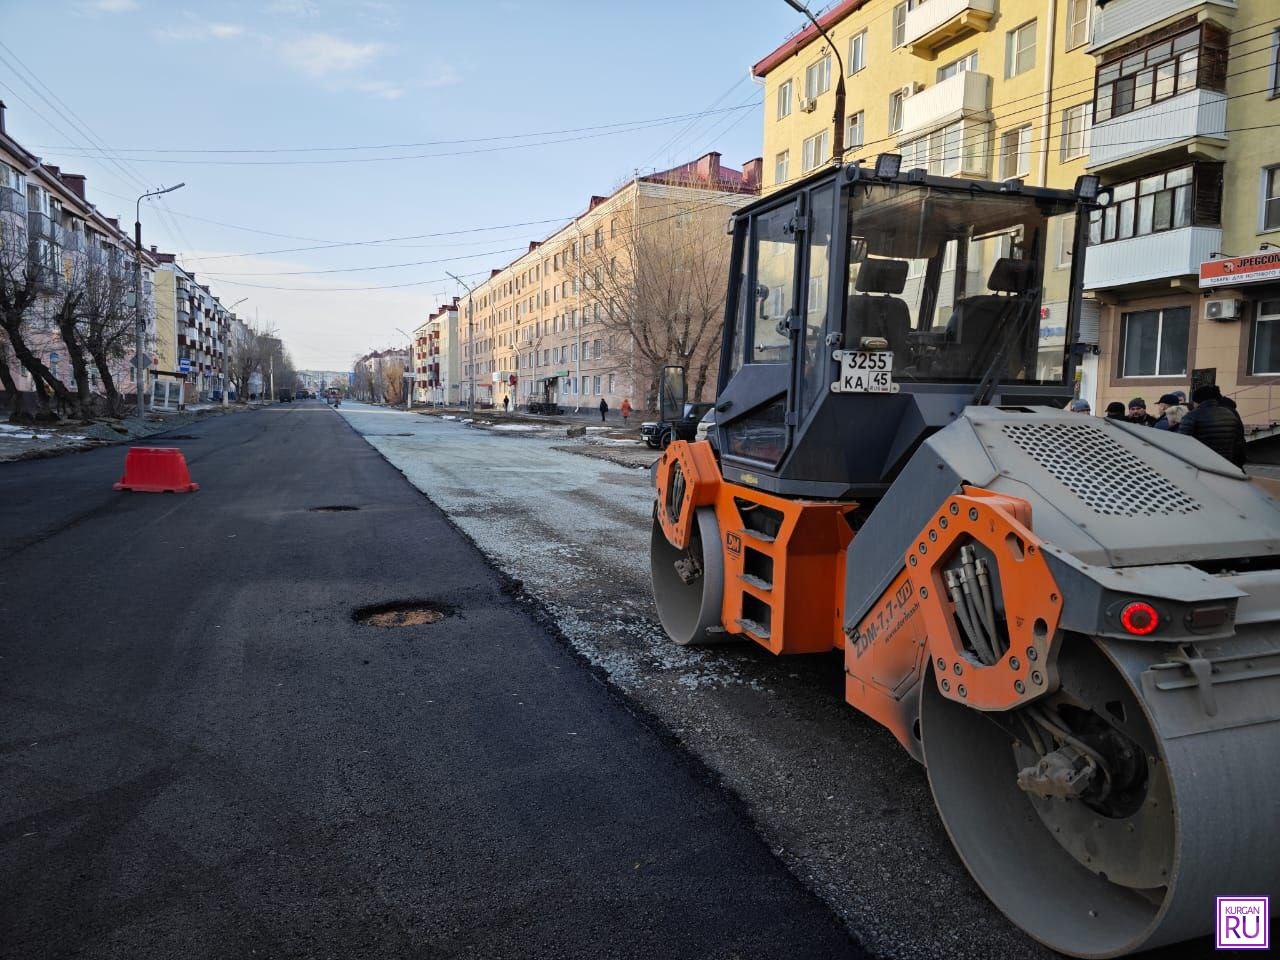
911,89
808,104
1224,309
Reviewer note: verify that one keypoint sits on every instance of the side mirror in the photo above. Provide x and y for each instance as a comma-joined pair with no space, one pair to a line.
671,393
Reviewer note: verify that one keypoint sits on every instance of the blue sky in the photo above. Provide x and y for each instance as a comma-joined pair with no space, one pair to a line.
143,75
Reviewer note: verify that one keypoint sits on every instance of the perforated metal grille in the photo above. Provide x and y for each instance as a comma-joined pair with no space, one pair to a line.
1102,473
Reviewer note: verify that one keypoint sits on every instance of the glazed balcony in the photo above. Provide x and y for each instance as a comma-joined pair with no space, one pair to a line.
1192,124
1151,257
932,25
1124,19
966,94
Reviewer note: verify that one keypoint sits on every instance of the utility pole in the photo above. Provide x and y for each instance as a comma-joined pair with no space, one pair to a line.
140,345
471,343
410,380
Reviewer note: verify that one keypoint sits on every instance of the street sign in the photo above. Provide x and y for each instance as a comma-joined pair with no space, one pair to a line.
184,365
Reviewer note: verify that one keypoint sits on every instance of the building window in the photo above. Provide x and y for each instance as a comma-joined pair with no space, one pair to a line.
1271,198
1078,22
1020,50
1153,343
956,148
854,131
895,111
967,64
1194,59
817,78
1275,64
817,150
1266,338
1015,153
784,99
857,52
900,24
1187,196
1066,239
1075,132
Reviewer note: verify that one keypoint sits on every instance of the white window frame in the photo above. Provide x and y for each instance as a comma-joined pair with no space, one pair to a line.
857,52
815,151
784,99
1023,155
1082,111
1076,22
896,100
966,64
899,24
1066,240
817,77
1124,320
855,123
781,167
1259,319
1270,177
1014,48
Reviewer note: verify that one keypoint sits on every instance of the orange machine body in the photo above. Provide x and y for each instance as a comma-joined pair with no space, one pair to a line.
784,588
784,559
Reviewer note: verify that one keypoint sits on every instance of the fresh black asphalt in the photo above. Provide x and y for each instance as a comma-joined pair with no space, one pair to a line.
202,755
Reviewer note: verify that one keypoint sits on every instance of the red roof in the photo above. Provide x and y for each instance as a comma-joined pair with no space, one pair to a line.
794,44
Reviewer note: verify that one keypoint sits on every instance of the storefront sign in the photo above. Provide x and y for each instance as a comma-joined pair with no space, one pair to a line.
1232,271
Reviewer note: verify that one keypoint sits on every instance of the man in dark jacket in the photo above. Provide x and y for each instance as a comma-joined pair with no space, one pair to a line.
1138,413
1215,424
1164,403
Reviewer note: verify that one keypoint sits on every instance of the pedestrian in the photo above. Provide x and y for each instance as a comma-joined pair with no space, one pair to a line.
626,410
1173,415
1115,410
1080,405
1138,413
505,401
604,408
1166,401
1215,423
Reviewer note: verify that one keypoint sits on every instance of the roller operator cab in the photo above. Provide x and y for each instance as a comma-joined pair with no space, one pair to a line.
1042,607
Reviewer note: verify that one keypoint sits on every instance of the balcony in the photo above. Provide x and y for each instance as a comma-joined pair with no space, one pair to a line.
932,25
1122,19
1193,123
13,201
1152,257
964,95
40,226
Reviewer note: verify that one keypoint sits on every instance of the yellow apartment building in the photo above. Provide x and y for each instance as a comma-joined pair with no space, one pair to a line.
567,321
1186,259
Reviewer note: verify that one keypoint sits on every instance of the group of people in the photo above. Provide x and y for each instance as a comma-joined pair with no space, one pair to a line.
1210,417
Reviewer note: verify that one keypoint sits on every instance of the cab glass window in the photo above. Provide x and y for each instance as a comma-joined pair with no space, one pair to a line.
773,295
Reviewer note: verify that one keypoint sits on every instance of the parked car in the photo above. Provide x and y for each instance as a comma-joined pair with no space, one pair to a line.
659,433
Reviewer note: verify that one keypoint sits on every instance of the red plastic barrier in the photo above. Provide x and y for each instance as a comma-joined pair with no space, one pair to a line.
156,470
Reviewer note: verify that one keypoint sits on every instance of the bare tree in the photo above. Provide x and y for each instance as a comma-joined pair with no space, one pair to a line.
29,270
659,287
107,320
391,371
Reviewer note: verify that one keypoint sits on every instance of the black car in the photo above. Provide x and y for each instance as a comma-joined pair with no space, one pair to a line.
659,433
285,396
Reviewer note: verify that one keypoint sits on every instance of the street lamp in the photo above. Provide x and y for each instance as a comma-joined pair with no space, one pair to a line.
139,334
471,343
837,135
412,376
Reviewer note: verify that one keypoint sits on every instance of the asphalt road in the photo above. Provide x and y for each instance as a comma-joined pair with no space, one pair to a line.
202,755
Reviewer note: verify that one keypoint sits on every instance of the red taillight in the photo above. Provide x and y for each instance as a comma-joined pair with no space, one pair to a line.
1139,618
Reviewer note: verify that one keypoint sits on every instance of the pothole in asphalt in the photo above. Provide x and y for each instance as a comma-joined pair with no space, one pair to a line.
335,508
401,613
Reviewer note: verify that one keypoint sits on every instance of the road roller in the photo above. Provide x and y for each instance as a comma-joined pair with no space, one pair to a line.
1072,623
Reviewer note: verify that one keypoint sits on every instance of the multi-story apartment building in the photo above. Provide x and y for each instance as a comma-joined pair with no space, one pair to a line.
435,357
51,232
378,375
552,324
1184,260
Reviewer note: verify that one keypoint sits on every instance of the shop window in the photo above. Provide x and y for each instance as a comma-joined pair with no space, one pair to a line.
1153,343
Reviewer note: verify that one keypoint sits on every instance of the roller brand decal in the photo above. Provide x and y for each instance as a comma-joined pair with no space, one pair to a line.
884,622
733,543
